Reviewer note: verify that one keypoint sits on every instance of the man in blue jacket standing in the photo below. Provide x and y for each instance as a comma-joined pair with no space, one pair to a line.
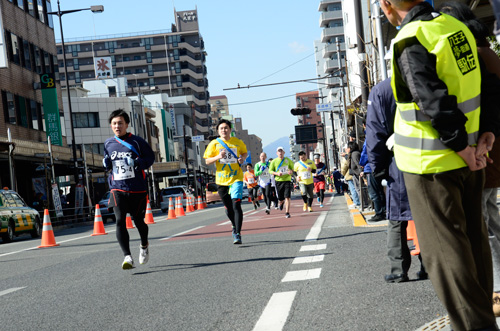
128,156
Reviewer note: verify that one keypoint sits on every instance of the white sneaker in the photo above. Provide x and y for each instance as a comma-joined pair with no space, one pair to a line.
144,255
128,263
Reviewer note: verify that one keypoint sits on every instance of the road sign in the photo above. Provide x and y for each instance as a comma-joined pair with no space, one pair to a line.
197,138
324,107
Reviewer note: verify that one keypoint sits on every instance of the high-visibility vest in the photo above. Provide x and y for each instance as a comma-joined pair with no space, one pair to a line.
417,147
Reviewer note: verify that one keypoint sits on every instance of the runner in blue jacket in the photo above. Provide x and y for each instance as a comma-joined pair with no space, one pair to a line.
128,156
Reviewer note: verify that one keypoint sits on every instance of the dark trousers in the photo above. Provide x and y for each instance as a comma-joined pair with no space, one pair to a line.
453,238
377,194
268,195
397,247
233,207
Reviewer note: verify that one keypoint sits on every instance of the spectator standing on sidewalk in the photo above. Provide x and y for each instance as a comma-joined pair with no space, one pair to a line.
348,177
355,170
337,180
437,87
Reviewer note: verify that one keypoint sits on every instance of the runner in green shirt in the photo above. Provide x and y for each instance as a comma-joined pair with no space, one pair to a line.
282,169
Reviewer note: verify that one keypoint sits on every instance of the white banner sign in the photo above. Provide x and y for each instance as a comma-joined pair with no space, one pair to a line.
57,200
324,107
103,67
197,138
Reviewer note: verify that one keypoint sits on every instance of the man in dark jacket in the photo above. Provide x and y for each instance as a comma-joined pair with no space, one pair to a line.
128,156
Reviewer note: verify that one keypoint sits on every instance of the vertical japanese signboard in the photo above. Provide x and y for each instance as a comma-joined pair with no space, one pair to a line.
51,109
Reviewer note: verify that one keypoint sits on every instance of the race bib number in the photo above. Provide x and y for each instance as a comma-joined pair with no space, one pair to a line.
251,180
305,175
229,158
265,175
283,170
122,171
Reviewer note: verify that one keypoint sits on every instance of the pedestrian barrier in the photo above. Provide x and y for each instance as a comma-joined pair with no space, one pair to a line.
129,223
411,228
98,224
149,214
199,204
48,239
179,209
171,210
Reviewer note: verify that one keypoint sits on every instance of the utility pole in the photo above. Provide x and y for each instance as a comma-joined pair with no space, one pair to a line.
363,70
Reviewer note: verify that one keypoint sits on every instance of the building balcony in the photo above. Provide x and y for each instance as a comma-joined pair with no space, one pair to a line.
323,4
328,16
333,82
333,65
331,49
329,33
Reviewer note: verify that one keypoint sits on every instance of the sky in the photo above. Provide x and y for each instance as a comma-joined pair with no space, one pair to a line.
247,43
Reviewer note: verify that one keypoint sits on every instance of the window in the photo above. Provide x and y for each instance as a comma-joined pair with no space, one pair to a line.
31,9
20,4
76,65
41,15
178,67
47,61
110,46
150,70
86,120
149,58
13,48
176,54
27,54
137,57
48,8
21,107
151,82
36,115
178,81
147,42
9,107
78,78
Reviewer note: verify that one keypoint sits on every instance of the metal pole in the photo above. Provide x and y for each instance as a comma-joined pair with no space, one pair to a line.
86,177
73,144
361,50
185,154
51,160
342,84
380,40
11,162
335,159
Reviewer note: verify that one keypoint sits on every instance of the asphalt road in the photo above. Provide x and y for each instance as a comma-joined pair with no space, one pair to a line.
314,271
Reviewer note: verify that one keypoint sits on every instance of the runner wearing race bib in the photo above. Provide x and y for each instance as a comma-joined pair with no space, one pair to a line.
127,156
319,179
228,153
282,169
304,169
262,170
251,181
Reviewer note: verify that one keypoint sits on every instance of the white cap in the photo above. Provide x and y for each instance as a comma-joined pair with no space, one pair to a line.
281,147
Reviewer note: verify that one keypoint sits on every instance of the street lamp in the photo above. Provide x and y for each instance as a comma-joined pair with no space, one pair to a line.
59,13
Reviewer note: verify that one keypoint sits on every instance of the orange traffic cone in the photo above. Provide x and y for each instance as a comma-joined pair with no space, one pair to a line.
98,224
149,215
48,239
188,205
199,204
204,203
331,188
129,223
413,232
171,210
179,208
191,204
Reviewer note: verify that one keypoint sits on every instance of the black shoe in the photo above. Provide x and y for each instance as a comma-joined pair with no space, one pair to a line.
287,215
268,211
258,204
422,275
281,206
396,278
377,218
255,206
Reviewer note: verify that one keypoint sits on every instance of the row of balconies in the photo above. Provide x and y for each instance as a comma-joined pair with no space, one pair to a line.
329,33
323,4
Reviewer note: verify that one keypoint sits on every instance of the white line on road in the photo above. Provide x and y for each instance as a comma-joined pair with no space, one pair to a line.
181,233
309,259
276,312
316,228
313,247
10,290
293,276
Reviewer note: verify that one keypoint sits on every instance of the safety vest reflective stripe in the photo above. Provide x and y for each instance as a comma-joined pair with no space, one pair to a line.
428,144
416,115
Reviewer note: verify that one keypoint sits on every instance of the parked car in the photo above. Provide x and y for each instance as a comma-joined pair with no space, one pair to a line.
212,194
16,217
103,206
174,192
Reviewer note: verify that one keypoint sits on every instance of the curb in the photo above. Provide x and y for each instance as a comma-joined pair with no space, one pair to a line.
358,219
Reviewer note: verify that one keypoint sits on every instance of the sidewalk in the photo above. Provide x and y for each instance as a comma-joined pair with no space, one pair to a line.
362,219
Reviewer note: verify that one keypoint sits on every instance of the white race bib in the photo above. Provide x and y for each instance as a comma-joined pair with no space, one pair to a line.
283,170
305,175
122,171
229,158
251,180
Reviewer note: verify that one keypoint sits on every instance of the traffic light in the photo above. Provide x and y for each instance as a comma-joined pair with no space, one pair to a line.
300,111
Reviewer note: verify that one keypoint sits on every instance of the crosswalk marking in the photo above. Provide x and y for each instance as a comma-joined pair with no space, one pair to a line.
293,276
313,247
309,259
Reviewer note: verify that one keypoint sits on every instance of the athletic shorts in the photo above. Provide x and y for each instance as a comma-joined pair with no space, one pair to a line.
307,189
284,190
319,186
235,190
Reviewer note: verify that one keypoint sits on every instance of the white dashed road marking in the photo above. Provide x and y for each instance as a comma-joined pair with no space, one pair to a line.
308,259
276,312
293,276
313,248
10,290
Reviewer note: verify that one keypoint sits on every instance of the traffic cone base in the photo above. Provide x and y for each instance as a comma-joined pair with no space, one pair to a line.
149,215
189,205
171,210
98,224
48,239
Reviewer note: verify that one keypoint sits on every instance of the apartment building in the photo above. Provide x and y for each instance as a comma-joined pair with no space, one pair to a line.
219,107
170,61
253,142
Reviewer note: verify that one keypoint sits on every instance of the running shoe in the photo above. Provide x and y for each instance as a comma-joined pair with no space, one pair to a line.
128,263
305,207
310,209
237,239
144,255
281,206
268,211
233,231
318,199
255,206
258,204
287,215
321,206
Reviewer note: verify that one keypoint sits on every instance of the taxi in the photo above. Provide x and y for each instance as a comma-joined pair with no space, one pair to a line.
16,217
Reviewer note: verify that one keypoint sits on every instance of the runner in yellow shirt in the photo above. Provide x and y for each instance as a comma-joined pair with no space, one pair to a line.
304,169
228,153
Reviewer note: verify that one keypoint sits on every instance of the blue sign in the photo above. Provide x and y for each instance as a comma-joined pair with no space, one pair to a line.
324,107
249,158
183,171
